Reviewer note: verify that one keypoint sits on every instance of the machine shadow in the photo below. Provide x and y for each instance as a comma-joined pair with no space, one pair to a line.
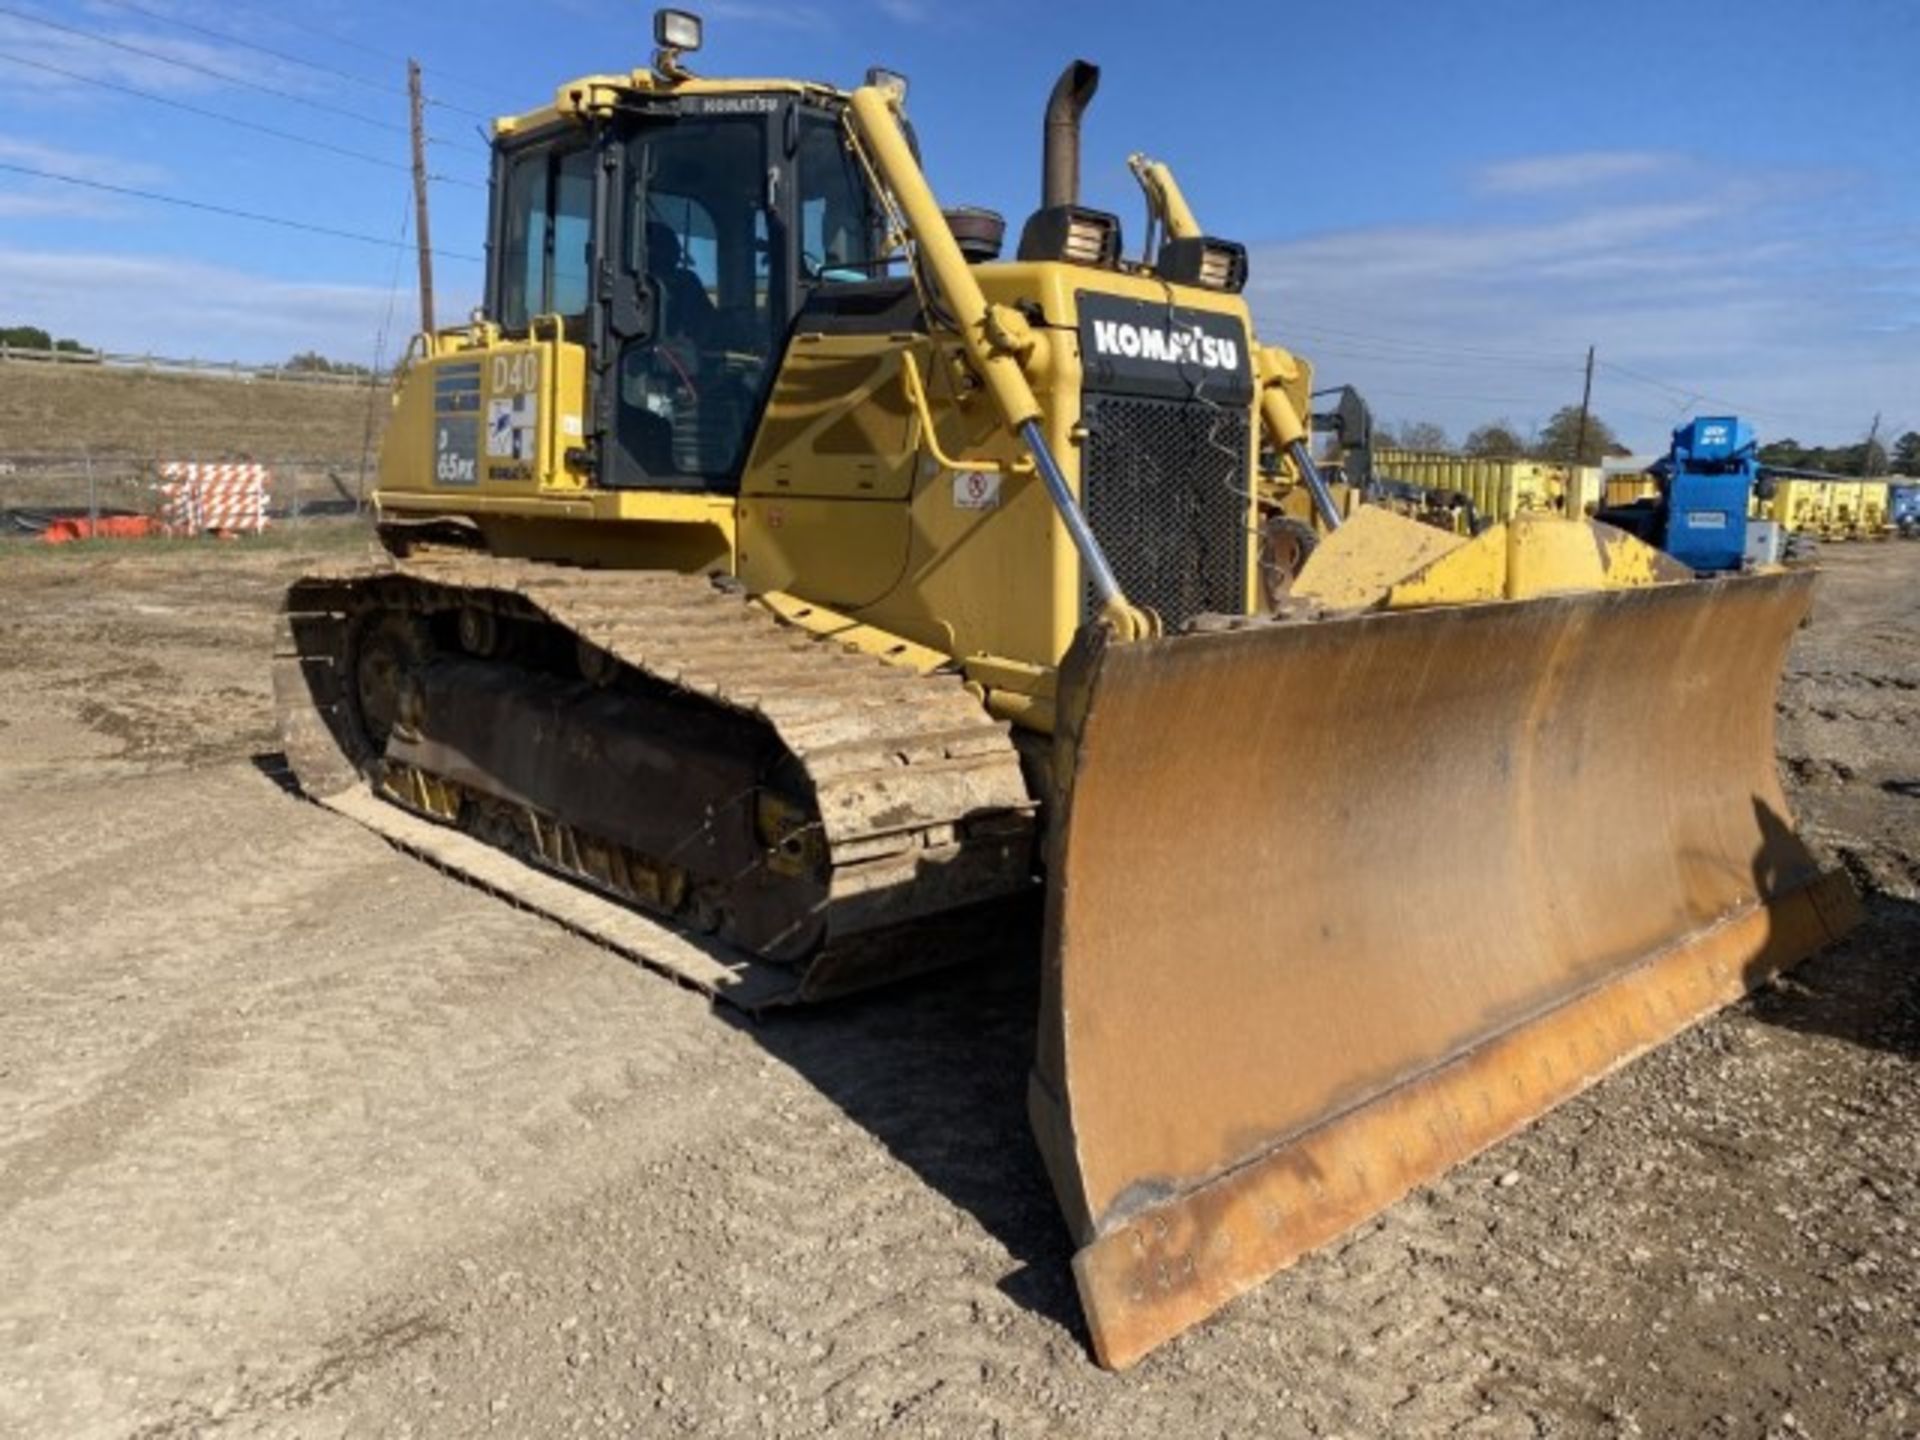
1865,989
273,765
936,1070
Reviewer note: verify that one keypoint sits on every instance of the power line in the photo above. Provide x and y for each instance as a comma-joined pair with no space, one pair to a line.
490,87
199,69
1699,397
1443,395
1361,351
1384,349
1439,349
380,355
1312,305
208,70
226,210
235,120
228,38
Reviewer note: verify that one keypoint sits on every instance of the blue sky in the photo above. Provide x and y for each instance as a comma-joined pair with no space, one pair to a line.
1446,202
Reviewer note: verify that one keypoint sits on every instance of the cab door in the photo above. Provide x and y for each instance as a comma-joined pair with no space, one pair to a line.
697,287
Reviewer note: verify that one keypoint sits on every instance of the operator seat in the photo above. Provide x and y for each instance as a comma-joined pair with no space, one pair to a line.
687,309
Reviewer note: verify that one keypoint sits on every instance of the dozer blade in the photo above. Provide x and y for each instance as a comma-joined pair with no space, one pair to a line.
1335,905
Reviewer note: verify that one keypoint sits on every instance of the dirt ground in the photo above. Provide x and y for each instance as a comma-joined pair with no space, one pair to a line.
299,1137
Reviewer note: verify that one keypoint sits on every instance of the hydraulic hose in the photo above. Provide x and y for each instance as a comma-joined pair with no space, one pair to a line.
1316,484
1092,559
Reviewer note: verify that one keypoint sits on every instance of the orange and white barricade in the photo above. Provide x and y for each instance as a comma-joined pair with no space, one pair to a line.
225,498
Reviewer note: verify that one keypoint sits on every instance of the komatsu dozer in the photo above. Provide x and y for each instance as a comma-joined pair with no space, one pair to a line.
790,593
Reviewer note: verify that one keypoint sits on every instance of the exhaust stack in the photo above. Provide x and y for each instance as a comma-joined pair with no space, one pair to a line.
1060,151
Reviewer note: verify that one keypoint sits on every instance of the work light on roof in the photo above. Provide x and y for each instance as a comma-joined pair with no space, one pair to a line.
676,30
891,81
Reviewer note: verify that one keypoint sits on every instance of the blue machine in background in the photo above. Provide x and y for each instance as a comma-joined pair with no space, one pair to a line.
1709,478
1707,483
1903,509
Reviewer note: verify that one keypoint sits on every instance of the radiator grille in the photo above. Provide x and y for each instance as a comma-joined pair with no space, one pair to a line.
1164,484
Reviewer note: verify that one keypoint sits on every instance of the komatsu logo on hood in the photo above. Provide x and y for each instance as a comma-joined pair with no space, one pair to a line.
1187,345
1151,349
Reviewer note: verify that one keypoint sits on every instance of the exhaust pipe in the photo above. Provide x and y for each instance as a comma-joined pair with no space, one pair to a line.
1060,153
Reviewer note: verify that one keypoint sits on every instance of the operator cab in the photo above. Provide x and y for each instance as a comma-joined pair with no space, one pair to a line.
676,238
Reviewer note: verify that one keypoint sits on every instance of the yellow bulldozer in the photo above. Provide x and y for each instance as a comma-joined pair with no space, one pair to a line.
791,593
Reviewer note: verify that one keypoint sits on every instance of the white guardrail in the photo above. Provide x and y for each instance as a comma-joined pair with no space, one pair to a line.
226,369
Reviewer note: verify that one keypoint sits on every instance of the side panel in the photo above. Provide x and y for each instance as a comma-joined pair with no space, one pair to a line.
487,423
989,565
844,503
837,423
846,554
823,500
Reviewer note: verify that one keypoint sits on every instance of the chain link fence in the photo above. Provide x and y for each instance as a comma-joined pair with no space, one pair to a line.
36,490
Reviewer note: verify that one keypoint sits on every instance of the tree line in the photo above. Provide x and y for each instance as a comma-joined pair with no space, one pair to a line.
32,337
1869,457
1559,439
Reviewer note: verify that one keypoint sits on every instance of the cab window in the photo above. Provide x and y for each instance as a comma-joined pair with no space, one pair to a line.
546,232
840,230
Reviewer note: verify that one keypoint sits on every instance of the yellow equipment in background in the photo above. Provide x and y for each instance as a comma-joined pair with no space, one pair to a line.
1876,511
1859,510
787,592
1801,506
1831,509
1625,487
1842,511
1499,489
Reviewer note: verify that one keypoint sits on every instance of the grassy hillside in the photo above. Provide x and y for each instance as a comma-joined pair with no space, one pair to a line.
49,411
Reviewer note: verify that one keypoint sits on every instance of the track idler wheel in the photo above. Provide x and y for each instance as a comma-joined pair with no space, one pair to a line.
387,648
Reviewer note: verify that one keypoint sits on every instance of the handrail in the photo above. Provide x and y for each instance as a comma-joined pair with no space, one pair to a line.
917,397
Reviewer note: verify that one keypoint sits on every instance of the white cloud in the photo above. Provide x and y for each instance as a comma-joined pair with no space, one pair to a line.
25,197
185,308
780,16
37,205
1805,316
84,164
786,15
1411,251
145,56
1576,170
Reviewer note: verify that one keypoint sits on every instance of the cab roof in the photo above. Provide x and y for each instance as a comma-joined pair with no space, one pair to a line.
592,96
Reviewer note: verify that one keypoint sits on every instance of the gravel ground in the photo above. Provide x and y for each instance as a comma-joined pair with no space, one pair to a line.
298,1137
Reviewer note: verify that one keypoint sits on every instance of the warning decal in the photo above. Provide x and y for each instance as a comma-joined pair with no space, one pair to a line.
976,489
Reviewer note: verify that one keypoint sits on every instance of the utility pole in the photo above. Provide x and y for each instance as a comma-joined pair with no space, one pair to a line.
417,108
1586,401
1866,455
